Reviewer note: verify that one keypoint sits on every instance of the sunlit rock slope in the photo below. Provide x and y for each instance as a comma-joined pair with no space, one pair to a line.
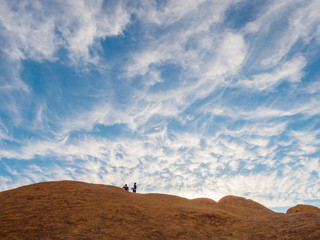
77,210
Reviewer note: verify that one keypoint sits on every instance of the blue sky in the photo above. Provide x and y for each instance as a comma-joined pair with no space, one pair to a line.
193,98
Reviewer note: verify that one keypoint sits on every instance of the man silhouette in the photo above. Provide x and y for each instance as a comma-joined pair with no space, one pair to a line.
134,188
125,187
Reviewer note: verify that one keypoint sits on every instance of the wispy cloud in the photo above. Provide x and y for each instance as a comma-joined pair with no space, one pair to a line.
37,30
291,71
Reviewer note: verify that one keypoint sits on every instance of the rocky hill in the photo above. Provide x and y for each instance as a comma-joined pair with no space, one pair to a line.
77,210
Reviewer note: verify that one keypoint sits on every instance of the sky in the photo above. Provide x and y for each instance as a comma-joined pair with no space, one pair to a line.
188,97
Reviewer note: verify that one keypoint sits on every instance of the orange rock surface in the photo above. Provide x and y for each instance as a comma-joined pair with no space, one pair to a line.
77,210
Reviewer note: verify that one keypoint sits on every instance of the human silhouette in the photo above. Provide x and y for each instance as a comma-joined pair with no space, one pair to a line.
125,187
134,188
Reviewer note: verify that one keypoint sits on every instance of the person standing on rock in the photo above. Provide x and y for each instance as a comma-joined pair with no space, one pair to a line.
125,187
134,188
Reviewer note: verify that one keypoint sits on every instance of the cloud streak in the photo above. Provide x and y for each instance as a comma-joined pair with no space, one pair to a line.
37,30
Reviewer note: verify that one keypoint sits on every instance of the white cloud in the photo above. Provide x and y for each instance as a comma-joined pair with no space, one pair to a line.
37,29
290,71
281,29
5,183
229,57
27,35
305,142
4,133
177,11
209,51
84,23
313,88
151,160
303,23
